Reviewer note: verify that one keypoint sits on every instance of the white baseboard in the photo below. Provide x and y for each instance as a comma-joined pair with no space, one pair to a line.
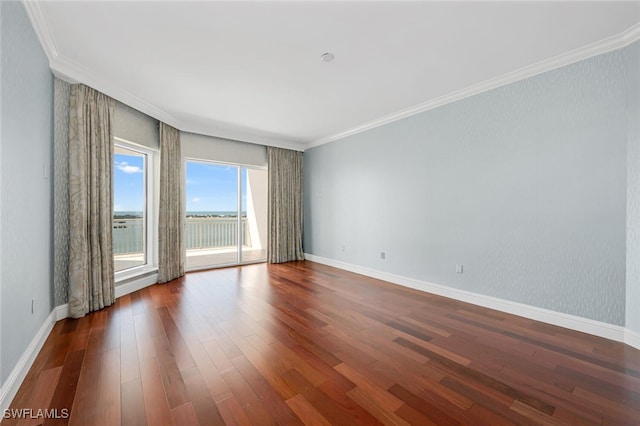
14,381
61,311
585,325
632,338
136,284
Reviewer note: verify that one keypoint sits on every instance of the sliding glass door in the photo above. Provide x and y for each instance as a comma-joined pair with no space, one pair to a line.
254,211
226,215
130,216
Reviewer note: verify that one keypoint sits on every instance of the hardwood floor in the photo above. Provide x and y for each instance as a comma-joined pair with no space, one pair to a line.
302,343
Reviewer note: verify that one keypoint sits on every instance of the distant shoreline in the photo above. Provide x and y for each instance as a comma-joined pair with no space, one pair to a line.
123,215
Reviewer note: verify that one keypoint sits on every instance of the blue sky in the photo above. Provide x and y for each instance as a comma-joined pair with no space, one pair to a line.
128,183
210,187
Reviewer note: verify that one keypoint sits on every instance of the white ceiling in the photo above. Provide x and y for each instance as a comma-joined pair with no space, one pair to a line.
252,71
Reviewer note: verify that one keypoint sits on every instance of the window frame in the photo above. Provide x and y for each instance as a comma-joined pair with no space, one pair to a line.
151,209
239,167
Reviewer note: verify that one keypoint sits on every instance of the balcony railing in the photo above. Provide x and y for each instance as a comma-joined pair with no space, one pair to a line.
128,236
214,232
200,233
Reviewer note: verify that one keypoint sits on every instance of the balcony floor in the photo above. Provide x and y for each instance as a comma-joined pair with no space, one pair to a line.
198,259
202,258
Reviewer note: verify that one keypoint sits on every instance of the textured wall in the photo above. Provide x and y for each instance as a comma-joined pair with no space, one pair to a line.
27,185
524,185
632,68
133,126
224,150
61,192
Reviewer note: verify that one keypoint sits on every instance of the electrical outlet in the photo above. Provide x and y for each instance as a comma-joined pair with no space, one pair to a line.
383,255
459,269
342,248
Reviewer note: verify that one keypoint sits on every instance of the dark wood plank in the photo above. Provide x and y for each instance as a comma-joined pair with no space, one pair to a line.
306,343
250,402
477,376
67,384
155,399
427,409
172,381
342,412
133,412
201,400
232,412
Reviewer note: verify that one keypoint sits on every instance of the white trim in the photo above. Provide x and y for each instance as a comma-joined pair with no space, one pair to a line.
72,72
14,381
151,194
131,273
603,46
632,338
585,325
41,28
135,285
10,387
134,146
62,312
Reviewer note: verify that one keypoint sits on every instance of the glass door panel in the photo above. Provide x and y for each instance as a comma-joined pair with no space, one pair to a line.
129,216
211,228
254,215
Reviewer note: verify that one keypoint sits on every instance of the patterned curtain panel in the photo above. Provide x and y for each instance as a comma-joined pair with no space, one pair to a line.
61,93
171,254
285,205
91,280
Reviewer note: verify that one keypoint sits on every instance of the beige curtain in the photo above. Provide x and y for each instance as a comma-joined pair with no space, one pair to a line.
91,281
285,205
171,255
61,96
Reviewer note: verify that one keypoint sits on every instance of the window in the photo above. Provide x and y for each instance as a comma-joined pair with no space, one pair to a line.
226,214
133,246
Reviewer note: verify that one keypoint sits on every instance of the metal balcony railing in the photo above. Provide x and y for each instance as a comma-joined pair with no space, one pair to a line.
200,233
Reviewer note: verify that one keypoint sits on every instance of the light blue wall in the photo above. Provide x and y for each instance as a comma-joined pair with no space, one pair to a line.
1,239
632,67
524,185
26,137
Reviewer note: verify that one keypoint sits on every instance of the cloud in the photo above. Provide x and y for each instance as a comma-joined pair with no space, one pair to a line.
196,200
126,168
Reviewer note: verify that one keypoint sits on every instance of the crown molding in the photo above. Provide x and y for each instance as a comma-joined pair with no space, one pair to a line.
603,46
240,134
73,73
41,27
